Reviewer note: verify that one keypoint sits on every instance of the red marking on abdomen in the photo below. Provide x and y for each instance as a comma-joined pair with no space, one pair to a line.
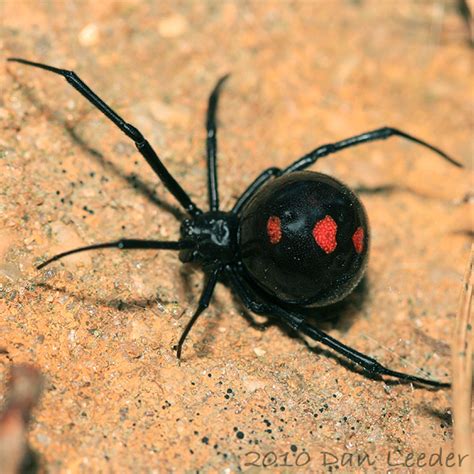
274,229
358,239
324,233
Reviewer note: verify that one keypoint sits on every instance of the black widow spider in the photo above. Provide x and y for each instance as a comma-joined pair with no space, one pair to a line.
293,239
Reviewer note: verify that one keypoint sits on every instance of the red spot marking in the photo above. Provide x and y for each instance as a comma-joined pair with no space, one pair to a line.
358,239
324,233
274,229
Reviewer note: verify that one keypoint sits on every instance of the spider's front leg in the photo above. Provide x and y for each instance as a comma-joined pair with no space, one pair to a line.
123,244
211,145
296,322
133,133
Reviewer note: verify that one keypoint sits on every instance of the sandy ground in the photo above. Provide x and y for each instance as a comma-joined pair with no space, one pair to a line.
101,326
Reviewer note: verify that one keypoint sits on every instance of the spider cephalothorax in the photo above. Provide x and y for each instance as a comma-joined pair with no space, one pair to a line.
213,236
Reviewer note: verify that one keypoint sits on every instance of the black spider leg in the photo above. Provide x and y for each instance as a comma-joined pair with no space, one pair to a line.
140,142
211,145
379,134
204,300
259,181
297,323
124,244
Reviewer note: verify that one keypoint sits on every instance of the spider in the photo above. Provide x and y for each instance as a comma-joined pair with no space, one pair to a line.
294,239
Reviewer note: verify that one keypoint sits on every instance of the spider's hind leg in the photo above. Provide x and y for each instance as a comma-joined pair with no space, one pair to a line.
296,322
378,134
206,296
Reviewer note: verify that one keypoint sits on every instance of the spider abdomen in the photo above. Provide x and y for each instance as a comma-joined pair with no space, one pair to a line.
304,239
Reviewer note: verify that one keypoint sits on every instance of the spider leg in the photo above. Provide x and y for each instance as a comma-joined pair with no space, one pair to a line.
140,142
297,323
211,145
202,305
124,244
259,181
378,134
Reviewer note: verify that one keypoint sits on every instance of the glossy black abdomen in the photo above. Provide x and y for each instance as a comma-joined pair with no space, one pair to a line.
304,239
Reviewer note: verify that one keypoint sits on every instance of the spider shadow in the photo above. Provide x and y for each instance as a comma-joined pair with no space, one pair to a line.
444,416
120,304
131,179
202,346
389,189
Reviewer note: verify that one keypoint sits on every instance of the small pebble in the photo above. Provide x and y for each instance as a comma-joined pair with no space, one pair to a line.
172,26
259,352
89,35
